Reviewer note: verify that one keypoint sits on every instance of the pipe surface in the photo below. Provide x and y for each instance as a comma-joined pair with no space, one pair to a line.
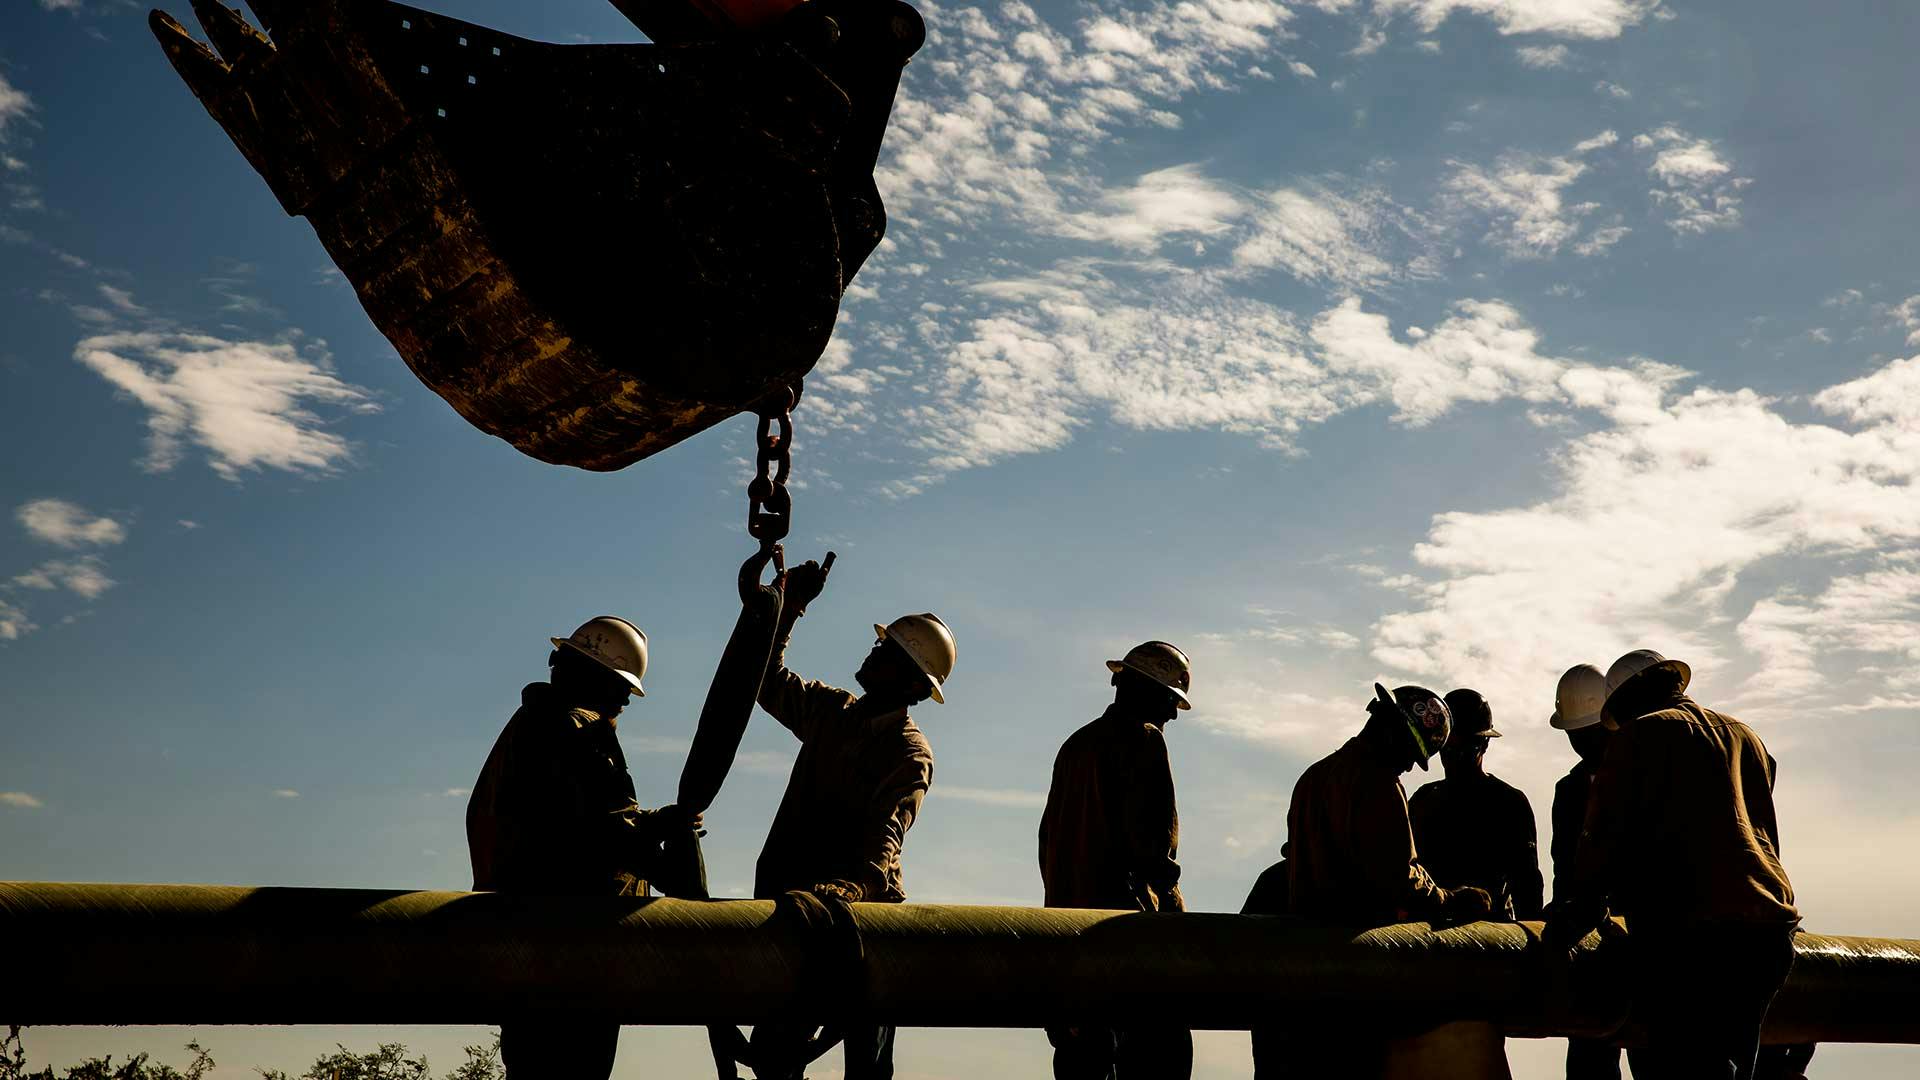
187,954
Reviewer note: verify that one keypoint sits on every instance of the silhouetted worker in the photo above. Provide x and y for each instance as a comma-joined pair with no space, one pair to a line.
1681,839
1474,828
1110,838
1576,710
1351,860
859,779
554,812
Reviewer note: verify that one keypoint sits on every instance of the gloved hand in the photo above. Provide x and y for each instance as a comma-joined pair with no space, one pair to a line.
674,818
1466,904
845,891
803,584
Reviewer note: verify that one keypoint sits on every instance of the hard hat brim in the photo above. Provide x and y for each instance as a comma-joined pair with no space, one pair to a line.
1563,723
882,632
1179,695
632,679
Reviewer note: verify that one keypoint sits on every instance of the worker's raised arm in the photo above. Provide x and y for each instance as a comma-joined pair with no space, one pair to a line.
796,703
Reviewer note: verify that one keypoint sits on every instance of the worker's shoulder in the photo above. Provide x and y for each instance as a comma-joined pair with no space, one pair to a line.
1506,790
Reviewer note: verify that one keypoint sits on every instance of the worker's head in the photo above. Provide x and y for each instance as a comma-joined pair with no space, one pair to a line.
910,661
599,666
1465,752
1577,703
1641,682
1152,681
1412,721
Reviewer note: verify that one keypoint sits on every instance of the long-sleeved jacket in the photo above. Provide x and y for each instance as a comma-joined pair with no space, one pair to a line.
1680,828
854,792
1569,817
1480,832
1110,835
1349,852
553,810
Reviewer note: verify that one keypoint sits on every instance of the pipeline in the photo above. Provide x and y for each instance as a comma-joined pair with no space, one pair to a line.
203,954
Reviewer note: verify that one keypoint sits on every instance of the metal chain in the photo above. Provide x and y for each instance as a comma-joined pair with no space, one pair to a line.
769,505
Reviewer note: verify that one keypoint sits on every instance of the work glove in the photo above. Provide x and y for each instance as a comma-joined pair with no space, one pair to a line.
1464,905
673,818
803,584
847,892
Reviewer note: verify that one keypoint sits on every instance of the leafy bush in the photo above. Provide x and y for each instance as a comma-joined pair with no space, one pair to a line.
388,1061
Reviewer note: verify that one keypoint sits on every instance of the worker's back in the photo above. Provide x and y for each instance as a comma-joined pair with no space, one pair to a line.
1109,836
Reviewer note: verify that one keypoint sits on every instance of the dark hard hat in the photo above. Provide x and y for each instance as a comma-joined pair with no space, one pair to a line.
1471,713
1425,714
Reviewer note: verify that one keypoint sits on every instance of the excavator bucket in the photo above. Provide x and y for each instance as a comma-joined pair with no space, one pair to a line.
590,251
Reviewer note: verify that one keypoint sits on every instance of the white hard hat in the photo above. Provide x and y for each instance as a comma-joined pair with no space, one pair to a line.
1635,663
1577,701
1162,663
1640,660
614,644
928,641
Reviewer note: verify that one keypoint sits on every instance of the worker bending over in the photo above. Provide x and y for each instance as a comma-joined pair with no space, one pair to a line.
1351,861
554,812
859,779
1681,839
1110,838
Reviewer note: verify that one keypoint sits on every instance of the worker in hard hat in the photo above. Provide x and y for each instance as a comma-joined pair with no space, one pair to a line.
1474,828
1110,838
859,779
1681,839
1577,700
554,812
1351,860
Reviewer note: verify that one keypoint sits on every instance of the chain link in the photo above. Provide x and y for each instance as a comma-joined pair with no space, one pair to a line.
769,505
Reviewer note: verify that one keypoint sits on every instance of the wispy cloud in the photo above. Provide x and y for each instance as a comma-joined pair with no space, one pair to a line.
86,577
15,105
67,525
1544,56
990,796
1525,197
1700,191
248,404
20,800
285,793
1584,19
14,623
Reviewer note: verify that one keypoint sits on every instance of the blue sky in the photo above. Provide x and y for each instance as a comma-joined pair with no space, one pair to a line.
1451,341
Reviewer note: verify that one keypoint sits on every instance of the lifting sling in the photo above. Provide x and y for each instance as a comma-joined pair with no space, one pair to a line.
590,251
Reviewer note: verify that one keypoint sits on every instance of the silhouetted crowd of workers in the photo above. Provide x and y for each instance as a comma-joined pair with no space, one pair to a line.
1664,836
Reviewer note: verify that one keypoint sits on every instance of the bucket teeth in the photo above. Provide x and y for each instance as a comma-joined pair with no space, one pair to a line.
239,43
203,71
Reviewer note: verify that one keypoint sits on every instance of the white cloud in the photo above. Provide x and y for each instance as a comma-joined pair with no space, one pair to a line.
57,521
1584,19
21,800
1544,56
1906,313
1524,195
1168,202
122,300
86,577
248,404
285,793
62,5
990,796
1700,191
1317,234
456,793
1484,352
15,105
14,623
1658,517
